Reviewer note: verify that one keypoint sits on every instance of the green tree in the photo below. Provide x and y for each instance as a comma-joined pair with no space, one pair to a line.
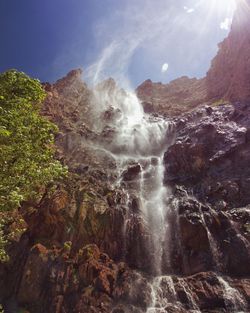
26,141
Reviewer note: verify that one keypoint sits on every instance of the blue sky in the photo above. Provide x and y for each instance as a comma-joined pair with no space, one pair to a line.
130,40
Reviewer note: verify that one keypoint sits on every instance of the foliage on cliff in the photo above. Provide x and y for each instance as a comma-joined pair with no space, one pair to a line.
26,141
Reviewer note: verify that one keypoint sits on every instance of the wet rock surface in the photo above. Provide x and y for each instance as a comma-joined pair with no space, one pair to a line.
211,155
131,173
212,147
208,169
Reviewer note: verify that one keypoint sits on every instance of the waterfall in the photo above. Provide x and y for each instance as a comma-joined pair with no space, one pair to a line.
162,293
233,299
137,143
138,140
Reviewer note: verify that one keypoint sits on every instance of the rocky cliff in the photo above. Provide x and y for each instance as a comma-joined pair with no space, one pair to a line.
179,96
229,75
228,78
154,216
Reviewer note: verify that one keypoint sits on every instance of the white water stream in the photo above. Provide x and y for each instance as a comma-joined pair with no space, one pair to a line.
233,299
140,139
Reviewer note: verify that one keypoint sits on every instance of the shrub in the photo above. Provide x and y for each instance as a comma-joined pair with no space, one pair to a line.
26,141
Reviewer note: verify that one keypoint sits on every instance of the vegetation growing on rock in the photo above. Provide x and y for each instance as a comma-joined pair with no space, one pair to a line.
26,141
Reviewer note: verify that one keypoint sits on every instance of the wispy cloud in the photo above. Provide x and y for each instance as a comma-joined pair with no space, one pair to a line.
164,68
226,24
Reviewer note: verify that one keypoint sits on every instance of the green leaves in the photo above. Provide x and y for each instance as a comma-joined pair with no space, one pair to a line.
17,85
4,132
26,141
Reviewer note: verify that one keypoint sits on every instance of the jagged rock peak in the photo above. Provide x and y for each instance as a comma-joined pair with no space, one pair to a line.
108,85
178,96
109,82
71,76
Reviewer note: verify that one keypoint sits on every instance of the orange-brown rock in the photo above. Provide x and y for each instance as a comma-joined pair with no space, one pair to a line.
177,97
229,75
67,100
97,269
34,275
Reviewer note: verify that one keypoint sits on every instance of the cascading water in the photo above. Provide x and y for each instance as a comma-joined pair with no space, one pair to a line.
142,144
138,141
142,140
233,299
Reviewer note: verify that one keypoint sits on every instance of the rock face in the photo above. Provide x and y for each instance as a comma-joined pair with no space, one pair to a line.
213,144
89,246
67,101
74,256
229,75
208,168
73,250
69,104
177,97
227,79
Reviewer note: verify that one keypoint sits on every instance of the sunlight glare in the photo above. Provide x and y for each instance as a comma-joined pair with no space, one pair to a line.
222,6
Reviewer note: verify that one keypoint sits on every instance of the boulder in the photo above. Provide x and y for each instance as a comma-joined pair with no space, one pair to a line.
131,172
